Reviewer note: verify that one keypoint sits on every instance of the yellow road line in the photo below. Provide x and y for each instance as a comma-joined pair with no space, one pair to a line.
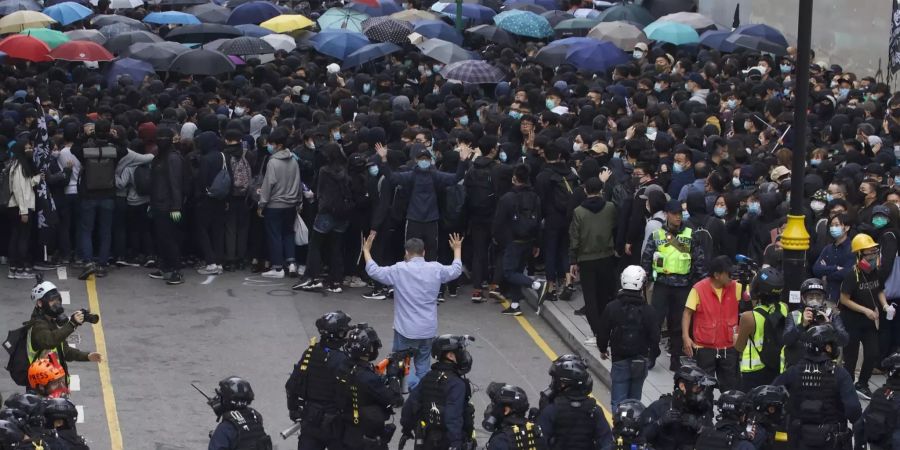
109,397
542,344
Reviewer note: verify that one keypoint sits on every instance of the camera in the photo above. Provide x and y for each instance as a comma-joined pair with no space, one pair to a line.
88,317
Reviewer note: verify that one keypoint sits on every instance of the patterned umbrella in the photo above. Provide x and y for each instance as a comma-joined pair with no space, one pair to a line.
386,29
623,34
628,12
201,62
20,20
339,43
246,46
555,17
412,15
438,29
342,18
50,37
253,30
697,21
121,43
672,32
87,35
171,18
24,47
68,12
376,8
524,23
286,23
81,51
255,12
717,40
368,53
493,34
11,6
159,54
445,52
548,5
210,13
473,71
280,42
595,57
203,33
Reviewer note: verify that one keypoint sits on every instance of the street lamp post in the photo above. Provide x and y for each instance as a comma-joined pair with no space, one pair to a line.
459,15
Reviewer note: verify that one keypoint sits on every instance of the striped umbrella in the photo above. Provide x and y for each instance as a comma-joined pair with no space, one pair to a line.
473,71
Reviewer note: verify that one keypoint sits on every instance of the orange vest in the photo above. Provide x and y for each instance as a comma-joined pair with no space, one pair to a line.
715,322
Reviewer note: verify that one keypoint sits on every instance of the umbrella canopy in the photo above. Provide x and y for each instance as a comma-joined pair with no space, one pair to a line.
695,20
20,20
659,8
11,6
81,51
181,3
24,47
376,8
546,4
253,12
368,53
246,46
412,15
122,42
203,33
342,18
537,9
474,12
121,4
672,32
339,43
87,35
158,54
757,43
68,12
596,57
443,51
171,18
717,40
386,29
280,42
586,13
622,34
575,27
552,56
555,17
492,34
134,68
764,32
50,37
524,23
627,12
102,20
438,29
114,29
201,62
287,22
253,30
473,71
210,13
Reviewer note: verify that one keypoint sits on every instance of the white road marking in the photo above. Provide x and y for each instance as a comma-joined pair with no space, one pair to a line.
74,383
80,410
209,279
66,300
62,273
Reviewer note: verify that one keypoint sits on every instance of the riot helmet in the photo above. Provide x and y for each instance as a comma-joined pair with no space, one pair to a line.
812,293
767,402
569,373
892,365
767,285
30,406
821,341
504,396
627,420
333,325
19,418
731,405
233,393
11,436
455,344
362,343
60,409
698,385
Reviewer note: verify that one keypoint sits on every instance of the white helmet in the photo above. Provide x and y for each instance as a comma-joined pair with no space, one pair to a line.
633,278
39,291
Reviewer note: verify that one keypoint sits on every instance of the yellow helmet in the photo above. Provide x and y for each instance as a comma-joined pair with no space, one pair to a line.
862,242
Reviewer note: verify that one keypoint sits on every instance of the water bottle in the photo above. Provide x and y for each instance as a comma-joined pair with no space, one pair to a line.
891,310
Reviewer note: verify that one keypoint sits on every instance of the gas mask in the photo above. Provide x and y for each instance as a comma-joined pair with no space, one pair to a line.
54,310
463,361
868,263
493,415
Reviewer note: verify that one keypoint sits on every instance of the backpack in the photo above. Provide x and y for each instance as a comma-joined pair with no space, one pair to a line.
343,205
99,168
242,176
400,203
770,355
5,190
526,220
702,238
480,198
221,184
628,337
143,180
881,416
454,211
16,345
563,187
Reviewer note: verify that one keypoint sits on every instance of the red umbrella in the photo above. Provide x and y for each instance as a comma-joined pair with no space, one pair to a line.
25,47
81,51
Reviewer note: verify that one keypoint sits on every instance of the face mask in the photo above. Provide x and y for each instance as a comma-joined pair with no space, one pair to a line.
736,182
836,231
576,147
817,205
337,111
732,104
748,125
311,145
834,84
869,263
55,153
52,311
239,111
754,208
787,92
660,68
657,87
270,148
637,54
677,168
515,115
336,135
815,162
720,211
424,164
464,120
422,69
651,131
879,221
367,87
304,98
786,68
843,92
897,181
550,104
436,68
151,107
685,215
373,170
502,156
616,155
829,198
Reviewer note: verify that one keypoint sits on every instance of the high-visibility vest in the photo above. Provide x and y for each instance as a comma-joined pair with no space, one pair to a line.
750,360
674,261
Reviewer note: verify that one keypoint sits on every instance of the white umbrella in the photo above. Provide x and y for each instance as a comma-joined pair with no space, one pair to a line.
280,41
121,4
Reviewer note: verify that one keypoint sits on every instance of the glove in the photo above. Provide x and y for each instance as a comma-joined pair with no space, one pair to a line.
671,417
691,421
175,216
296,415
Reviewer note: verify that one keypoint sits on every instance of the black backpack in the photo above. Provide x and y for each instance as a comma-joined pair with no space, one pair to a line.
703,238
143,180
526,220
344,204
628,337
881,416
480,198
99,168
16,345
453,214
563,187
770,355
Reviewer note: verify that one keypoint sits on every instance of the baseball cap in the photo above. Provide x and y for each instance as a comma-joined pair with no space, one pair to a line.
673,206
779,172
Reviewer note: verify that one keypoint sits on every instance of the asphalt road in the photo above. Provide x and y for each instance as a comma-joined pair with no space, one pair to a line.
160,338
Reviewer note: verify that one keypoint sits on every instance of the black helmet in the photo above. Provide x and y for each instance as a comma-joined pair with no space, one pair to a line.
60,409
362,343
767,284
812,292
564,358
693,376
235,393
731,404
627,418
769,402
514,397
19,418
29,404
11,436
333,325
571,374
892,364
818,338
456,344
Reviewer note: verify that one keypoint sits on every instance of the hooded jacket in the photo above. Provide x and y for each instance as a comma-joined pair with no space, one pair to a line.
167,190
125,176
592,230
423,186
544,185
281,183
209,162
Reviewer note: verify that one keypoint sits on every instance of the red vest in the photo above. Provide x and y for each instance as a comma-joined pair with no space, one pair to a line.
715,322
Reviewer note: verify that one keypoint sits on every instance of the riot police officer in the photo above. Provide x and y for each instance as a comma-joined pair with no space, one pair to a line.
365,401
438,412
766,416
728,432
313,383
674,420
878,425
547,395
822,396
572,419
60,416
11,436
506,419
628,433
815,312
24,410
241,427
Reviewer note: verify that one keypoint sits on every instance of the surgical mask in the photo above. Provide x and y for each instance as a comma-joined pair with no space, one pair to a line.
736,182
464,120
786,68
151,107
239,111
834,84
270,148
367,87
720,211
897,181
436,68
836,231
502,156
55,153
424,164
651,133
829,198
576,147
731,103
817,205
787,92
657,87
373,170
304,98
754,208
423,69
550,104
637,54
747,125
879,221
815,162
843,92
677,168
337,112
515,115
616,155
685,215
336,135
311,145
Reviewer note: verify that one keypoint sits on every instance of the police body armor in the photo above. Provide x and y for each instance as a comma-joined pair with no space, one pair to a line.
364,419
317,385
817,417
881,416
527,436
576,419
251,434
430,431
719,437
64,439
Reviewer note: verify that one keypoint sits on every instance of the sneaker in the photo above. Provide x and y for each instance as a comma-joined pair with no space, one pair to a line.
304,282
476,296
11,274
440,297
157,275
122,262
497,296
101,271
591,341
89,270
174,278
292,270
335,288
150,263
863,391
354,282
313,285
390,293
211,269
25,274
540,287
567,293
301,269
44,266
510,311
580,312
452,291
274,273
4,260
376,294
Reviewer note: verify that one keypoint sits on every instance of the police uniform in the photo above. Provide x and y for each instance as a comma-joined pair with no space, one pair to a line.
675,435
438,411
312,388
366,404
240,429
64,440
878,426
517,433
575,422
728,434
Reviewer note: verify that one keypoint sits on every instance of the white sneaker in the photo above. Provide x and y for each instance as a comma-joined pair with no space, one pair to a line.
292,270
274,273
210,269
590,341
301,269
354,282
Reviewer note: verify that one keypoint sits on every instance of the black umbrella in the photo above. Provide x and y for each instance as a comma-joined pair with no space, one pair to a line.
103,20
120,43
552,56
182,3
555,16
246,45
492,34
757,43
537,9
661,8
158,54
210,13
387,29
201,62
203,33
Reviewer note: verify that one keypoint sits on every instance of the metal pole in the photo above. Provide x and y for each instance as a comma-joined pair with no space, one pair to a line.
459,16
795,239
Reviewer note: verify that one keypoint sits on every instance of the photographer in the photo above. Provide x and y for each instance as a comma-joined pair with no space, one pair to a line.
815,312
49,328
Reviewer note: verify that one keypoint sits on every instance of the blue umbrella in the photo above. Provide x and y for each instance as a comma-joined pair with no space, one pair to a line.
571,41
672,32
253,12
253,30
339,43
717,40
368,53
546,4
171,18
384,8
11,6
524,23
68,12
134,68
438,29
762,31
472,11
596,57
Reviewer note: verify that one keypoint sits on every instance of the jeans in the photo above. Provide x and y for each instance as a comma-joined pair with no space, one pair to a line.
556,248
210,229
625,384
669,304
65,207
422,360
514,259
280,235
598,285
95,211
